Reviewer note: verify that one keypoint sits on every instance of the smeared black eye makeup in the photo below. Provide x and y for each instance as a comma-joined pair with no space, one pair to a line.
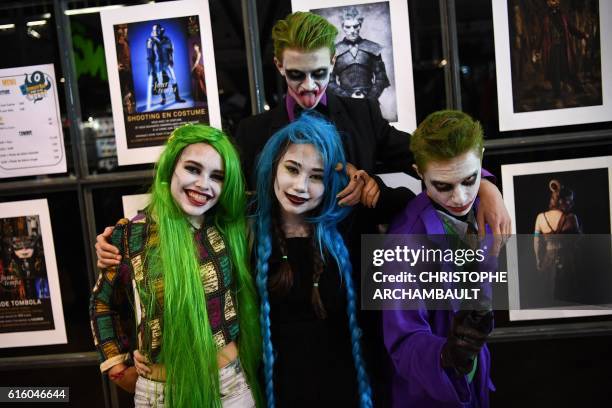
218,176
442,187
320,74
297,75
469,181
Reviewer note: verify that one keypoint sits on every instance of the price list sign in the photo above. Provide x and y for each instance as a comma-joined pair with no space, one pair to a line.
31,139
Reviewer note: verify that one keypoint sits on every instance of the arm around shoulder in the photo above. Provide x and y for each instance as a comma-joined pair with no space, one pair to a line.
109,304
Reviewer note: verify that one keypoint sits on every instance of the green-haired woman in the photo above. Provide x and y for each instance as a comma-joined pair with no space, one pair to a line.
184,281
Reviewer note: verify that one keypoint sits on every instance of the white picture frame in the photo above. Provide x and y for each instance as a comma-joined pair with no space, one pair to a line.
134,203
396,54
56,334
152,14
545,170
512,118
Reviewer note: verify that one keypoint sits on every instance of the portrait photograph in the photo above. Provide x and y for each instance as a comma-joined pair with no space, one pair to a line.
561,258
161,72
373,56
31,311
553,63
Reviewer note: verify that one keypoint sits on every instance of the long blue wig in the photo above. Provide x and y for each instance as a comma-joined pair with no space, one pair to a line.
312,129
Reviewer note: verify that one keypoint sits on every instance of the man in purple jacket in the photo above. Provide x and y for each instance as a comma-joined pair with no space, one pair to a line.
440,358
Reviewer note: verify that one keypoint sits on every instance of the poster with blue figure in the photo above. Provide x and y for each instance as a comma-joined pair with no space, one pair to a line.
157,76
160,64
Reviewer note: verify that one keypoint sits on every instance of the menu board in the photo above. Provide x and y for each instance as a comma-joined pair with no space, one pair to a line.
31,139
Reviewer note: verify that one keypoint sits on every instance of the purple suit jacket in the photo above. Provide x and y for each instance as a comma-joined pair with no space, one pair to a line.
414,339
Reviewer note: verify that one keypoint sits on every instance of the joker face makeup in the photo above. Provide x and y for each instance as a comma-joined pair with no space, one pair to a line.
197,181
307,74
454,183
298,185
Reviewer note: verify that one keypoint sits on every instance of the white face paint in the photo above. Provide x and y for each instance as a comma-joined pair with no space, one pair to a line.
307,74
298,185
454,184
197,180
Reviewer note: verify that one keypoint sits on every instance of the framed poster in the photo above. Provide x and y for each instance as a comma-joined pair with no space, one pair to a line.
161,73
562,254
553,61
374,42
30,300
31,137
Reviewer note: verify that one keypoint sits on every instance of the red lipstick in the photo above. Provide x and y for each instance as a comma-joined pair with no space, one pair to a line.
295,200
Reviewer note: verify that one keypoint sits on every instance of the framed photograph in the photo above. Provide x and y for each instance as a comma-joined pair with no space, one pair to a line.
373,56
133,204
161,73
553,61
31,137
560,264
30,300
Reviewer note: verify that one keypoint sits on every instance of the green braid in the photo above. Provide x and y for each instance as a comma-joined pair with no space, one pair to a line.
443,135
188,351
303,31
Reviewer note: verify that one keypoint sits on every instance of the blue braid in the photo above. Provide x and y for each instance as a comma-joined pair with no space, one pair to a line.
264,249
345,269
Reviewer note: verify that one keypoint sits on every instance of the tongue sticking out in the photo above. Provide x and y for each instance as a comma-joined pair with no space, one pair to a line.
309,99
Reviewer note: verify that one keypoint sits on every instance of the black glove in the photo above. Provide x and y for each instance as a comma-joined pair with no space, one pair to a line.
466,338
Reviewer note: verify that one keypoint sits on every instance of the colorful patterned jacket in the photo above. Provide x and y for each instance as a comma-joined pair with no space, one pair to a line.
118,320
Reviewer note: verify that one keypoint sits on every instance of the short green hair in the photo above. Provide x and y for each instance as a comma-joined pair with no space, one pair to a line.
444,135
303,31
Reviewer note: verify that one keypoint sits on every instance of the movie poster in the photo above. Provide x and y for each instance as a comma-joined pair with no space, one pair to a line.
31,137
161,74
30,301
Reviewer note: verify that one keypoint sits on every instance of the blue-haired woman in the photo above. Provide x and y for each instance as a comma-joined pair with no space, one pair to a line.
311,339
183,279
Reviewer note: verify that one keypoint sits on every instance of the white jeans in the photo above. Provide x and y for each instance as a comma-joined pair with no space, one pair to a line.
234,389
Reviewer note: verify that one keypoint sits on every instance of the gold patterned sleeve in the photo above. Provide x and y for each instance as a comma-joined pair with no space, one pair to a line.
110,304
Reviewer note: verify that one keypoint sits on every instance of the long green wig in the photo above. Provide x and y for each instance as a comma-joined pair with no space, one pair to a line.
303,31
188,350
